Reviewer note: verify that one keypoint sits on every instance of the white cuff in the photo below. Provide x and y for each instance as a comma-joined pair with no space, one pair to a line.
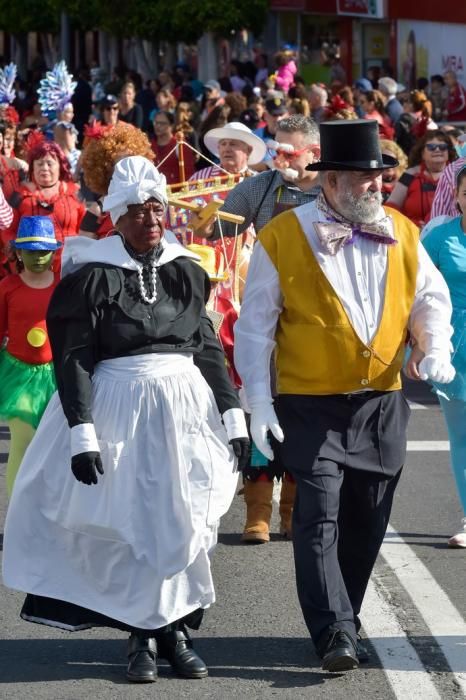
83,439
235,423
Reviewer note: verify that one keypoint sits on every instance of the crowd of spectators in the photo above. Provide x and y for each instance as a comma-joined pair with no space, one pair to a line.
423,128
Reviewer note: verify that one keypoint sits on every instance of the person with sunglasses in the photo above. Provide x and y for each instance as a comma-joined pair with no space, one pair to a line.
414,192
109,110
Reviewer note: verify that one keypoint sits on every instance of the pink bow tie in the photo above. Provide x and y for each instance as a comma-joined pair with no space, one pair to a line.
334,235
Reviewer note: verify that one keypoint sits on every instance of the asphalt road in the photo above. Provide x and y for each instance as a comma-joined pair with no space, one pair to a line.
254,640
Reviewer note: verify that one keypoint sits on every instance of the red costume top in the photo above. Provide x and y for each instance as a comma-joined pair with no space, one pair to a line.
456,104
10,179
22,319
171,167
64,208
419,197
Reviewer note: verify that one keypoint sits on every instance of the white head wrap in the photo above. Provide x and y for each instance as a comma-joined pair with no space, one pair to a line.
134,181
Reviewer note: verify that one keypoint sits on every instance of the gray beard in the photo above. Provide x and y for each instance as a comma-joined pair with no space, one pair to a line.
360,210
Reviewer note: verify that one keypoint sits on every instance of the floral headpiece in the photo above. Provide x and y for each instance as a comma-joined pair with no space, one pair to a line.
34,138
11,116
96,130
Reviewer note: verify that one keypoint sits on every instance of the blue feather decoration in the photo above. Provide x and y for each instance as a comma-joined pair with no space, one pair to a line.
56,89
7,79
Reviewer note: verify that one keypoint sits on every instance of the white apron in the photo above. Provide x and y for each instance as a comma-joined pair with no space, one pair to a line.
135,547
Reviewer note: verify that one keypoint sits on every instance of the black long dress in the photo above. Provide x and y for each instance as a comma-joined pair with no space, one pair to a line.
97,314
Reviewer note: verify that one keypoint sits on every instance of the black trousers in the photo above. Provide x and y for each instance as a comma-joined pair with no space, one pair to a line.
345,453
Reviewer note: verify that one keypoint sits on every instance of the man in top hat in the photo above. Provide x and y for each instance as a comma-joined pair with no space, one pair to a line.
333,288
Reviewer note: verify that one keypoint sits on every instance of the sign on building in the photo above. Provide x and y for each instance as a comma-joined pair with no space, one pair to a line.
361,8
429,48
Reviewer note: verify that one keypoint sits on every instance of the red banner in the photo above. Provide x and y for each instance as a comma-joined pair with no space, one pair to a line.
360,8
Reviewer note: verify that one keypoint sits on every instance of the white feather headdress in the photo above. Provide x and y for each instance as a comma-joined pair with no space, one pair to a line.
7,80
56,89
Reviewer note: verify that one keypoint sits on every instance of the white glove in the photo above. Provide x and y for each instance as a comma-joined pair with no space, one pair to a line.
264,418
437,367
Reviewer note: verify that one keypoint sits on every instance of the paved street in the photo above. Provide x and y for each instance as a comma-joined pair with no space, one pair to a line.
254,640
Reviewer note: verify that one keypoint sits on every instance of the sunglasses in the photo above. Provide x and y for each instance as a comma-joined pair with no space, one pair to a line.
437,147
291,154
112,109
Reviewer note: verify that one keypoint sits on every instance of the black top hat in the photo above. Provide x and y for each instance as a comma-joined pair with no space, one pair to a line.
351,145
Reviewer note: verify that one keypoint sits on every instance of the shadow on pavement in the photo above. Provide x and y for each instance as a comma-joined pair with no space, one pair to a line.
233,539
425,535
281,662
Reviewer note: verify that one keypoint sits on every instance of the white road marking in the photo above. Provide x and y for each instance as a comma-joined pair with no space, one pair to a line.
428,446
402,666
444,621
417,406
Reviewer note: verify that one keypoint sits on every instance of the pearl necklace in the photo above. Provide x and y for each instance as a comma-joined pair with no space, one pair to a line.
142,287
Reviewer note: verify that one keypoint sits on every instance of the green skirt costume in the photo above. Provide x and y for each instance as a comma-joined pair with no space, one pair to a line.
25,390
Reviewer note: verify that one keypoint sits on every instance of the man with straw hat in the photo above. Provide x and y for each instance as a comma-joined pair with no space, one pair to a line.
333,288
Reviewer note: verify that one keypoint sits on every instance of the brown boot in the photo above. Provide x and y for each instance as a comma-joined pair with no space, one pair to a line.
287,495
258,498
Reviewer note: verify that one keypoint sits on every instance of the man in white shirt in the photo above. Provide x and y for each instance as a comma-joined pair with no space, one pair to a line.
334,289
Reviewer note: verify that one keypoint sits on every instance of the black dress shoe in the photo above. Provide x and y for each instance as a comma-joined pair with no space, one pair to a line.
142,655
176,648
362,651
339,653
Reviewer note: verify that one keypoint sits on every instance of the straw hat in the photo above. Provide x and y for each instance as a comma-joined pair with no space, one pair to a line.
240,132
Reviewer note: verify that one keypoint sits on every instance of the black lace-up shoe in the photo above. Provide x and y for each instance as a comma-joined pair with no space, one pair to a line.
142,655
339,653
176,648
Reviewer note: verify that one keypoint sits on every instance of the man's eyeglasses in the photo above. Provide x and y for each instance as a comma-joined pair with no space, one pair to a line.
289,154
437,147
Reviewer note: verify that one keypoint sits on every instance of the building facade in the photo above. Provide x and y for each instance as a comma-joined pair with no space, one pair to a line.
403,38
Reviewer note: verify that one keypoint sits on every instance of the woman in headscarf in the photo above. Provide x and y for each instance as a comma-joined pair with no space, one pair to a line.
148,418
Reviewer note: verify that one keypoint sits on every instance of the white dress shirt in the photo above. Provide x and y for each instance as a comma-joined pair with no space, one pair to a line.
357,274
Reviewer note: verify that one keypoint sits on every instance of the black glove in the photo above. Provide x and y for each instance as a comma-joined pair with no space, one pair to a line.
241,448
85,467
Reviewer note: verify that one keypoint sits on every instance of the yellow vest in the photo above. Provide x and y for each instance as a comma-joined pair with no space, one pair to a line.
318,351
